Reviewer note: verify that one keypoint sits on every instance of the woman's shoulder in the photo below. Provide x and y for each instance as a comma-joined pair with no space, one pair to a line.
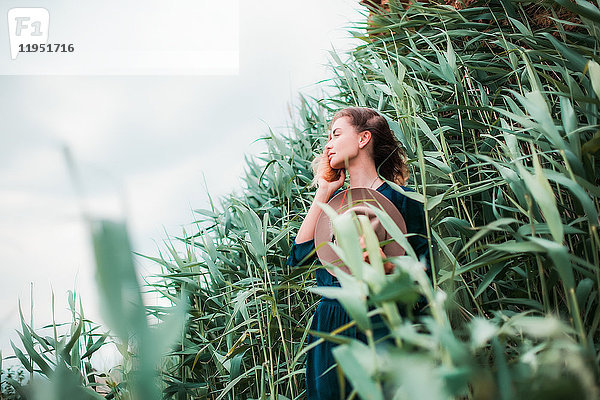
399,198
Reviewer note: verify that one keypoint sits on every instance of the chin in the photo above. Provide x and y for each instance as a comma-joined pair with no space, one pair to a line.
335,165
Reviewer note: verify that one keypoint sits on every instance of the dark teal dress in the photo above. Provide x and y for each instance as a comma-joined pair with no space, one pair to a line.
330,314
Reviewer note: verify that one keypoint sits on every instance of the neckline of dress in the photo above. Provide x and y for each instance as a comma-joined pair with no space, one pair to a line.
381,187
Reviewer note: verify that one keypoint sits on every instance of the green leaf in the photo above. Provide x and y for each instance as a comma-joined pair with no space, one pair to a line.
373,249
352,295
584,288
594,69
415,376
543,194
95,346
482,331
253,224
74,337
575,59
346,235
485,230
489,278
541,327
358,364
24,361
117,281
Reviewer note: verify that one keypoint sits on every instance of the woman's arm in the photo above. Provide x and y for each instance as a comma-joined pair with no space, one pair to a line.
324,192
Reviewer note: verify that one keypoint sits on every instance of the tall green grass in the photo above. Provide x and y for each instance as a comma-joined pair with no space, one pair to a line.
60,352
499,119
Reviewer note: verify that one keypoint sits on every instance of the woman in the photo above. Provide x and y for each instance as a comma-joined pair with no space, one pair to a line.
360,144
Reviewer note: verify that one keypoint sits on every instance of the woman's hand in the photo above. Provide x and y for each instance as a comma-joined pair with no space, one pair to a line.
388,266
329,179
326,188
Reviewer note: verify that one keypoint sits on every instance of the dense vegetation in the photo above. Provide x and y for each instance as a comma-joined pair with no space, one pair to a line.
497,106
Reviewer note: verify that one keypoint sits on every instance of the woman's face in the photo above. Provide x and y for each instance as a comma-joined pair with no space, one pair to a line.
344,142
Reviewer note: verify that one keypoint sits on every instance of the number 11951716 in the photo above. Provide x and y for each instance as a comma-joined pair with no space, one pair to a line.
46,48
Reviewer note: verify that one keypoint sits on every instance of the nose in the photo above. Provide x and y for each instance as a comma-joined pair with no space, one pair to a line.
328,145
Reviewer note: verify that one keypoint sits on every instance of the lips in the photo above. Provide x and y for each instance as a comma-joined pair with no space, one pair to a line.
330,155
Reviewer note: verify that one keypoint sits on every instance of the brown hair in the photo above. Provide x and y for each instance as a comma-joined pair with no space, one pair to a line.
388,154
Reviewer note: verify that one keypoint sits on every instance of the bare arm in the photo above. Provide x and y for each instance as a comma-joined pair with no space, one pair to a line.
324,192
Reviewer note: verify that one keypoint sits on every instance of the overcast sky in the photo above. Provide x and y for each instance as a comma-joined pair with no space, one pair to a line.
149,140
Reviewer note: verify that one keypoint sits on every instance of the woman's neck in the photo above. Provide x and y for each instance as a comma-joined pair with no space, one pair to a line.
363,174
